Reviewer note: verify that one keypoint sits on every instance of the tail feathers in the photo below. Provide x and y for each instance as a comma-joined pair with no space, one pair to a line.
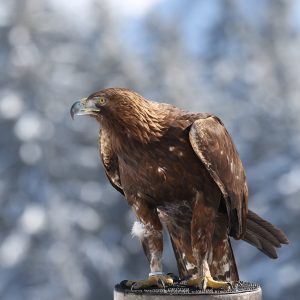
263,235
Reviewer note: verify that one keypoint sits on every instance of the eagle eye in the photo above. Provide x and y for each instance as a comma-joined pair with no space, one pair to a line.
100,100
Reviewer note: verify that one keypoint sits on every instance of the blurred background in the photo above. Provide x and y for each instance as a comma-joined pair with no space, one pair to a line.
64,231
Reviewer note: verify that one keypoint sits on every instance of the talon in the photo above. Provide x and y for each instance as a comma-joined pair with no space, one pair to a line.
230,285
204,283
160,281
208,282
129,283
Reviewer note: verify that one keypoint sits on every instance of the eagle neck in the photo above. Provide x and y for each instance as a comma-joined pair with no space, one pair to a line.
141,123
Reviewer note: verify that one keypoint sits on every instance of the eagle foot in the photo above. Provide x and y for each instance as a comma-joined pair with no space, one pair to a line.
208,282
159,281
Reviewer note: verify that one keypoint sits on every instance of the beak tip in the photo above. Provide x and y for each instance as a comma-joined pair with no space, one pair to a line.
72,114
74,109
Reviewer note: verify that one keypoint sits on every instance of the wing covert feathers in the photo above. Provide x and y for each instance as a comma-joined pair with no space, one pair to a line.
110,161
213,145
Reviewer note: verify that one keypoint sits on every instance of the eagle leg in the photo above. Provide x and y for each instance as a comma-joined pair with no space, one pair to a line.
203,226
149,231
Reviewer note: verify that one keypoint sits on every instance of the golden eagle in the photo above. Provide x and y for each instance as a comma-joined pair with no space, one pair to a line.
182,170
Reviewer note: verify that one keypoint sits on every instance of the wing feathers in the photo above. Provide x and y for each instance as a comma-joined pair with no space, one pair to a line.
213,145
110,161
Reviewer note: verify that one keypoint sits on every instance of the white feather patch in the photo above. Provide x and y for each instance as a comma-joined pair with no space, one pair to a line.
138,230
190,266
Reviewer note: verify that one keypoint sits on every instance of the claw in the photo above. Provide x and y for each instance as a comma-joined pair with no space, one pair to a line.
208,282
160,281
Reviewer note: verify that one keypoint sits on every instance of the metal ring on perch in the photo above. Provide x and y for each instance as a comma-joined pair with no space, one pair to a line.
240,291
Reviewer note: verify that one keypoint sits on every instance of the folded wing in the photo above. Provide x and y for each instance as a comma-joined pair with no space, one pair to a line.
214,147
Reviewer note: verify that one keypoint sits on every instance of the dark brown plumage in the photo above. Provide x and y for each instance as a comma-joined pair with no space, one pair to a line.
182,170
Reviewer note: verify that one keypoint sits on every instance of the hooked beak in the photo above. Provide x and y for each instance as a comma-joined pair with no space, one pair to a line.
84,107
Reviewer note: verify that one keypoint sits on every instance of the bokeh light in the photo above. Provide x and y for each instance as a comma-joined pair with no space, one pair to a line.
65,232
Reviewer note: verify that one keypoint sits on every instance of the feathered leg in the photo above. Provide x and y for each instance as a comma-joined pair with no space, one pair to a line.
222,266
202,230
149,231
179,230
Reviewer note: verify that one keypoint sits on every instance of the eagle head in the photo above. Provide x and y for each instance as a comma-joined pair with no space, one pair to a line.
106,102
124,111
